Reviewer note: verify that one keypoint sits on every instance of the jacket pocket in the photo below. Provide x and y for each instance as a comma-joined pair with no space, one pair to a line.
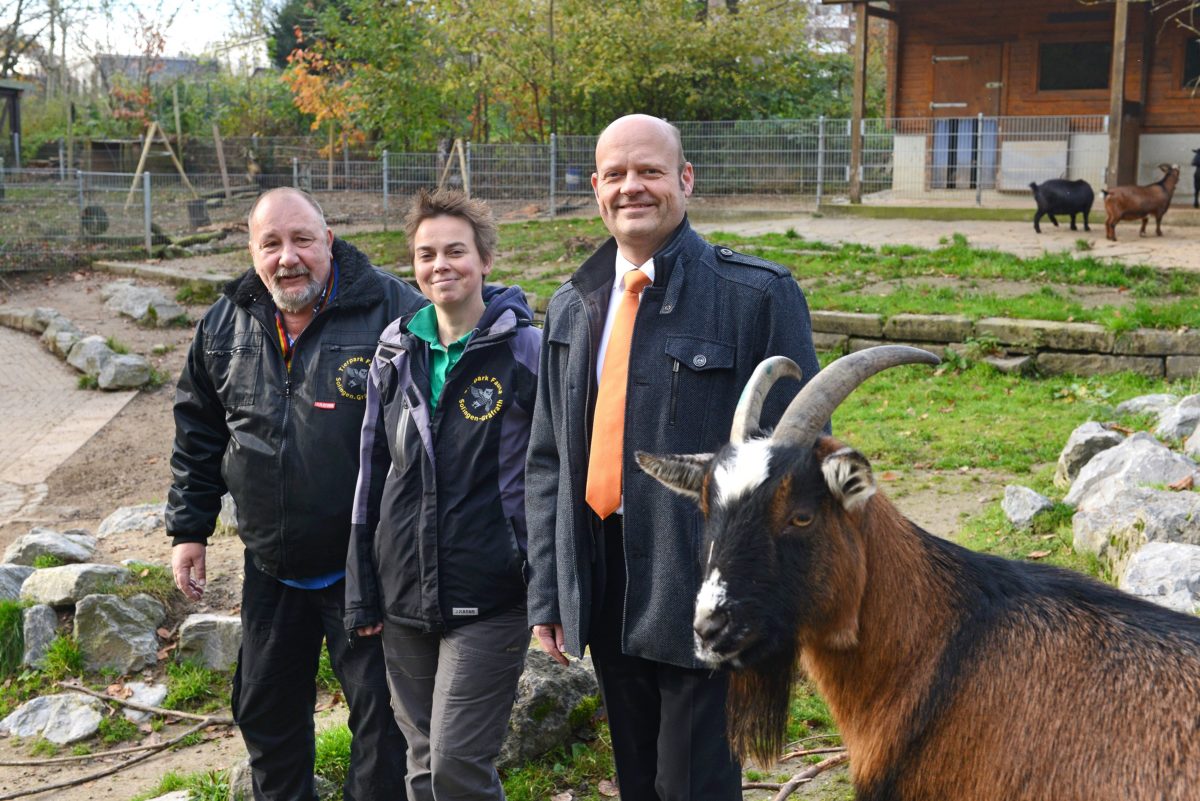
235,363
342,373
698,366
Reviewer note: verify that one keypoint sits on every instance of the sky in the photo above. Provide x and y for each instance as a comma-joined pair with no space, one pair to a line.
196,26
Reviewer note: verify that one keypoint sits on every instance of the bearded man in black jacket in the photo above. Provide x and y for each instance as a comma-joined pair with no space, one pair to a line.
268,408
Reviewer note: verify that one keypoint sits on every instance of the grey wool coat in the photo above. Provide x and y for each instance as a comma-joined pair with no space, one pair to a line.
708,319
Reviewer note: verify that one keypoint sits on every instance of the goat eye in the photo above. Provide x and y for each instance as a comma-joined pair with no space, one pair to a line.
801,520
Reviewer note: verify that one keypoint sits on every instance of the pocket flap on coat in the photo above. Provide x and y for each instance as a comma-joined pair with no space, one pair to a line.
700,354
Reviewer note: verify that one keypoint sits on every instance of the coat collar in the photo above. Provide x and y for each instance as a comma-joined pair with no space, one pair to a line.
597,271
358,286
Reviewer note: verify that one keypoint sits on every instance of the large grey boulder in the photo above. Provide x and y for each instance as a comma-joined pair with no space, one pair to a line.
1115,531
63,718
1180,420
60,336
1021,505
1138,461
64,586
1166,573
146,517
1085,442
241,782
124,372
69,547
1147,404
90,354
146,695
547,694
210,640
1191,445
40,627
150,607
12,577
32,320
147,305
113,635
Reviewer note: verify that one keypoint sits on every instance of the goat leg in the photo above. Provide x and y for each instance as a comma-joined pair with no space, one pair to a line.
1158,224
1073,228
1037,218
1051,216
1145,220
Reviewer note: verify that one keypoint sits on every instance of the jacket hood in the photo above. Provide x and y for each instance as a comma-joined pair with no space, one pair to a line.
500,299
358,286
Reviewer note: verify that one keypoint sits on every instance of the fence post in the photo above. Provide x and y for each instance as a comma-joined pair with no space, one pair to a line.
16,137
467,173
385,189
553,170
146,213
820,159
979,160
82,202
62,167
2,177
296,171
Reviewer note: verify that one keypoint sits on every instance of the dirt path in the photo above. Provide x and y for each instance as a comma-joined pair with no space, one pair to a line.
1176,249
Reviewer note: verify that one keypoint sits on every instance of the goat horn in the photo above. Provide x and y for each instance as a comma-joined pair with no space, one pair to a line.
813,407
750,404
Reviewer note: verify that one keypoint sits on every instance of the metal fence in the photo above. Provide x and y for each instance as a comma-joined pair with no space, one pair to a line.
54,216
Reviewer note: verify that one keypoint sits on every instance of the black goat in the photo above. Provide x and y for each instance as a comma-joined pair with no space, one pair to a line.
953,675
1059,196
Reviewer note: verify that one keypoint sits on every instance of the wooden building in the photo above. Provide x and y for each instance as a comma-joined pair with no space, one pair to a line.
1031,82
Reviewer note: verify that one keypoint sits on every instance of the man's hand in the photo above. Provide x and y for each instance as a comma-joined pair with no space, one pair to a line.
369,631
187,565
550,637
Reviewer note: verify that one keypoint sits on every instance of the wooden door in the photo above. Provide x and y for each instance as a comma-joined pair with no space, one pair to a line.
966,83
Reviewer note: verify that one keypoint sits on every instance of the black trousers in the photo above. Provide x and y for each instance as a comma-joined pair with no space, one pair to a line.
274,693
667,722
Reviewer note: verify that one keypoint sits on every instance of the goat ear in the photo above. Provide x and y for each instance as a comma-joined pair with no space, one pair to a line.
849,476
682,473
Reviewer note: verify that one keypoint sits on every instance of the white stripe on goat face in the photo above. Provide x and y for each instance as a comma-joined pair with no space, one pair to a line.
743,471
711,597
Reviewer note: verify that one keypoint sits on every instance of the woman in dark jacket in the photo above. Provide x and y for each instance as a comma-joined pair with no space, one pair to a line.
437,549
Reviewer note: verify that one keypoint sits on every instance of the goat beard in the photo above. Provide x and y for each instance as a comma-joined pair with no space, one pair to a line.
757,706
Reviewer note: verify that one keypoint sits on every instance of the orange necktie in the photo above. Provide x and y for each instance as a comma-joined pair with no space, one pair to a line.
608,426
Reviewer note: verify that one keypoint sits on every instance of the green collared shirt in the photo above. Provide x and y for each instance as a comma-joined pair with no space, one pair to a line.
424,326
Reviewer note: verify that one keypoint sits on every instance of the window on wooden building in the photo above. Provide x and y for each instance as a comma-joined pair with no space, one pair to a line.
1073,65
1191,66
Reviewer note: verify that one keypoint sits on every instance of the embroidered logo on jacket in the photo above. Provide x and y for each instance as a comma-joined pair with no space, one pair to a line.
352,378
464,611
482,400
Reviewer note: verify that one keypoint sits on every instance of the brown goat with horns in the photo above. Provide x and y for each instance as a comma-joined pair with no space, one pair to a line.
951,674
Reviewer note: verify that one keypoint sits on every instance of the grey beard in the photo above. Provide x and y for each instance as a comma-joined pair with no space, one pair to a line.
293,301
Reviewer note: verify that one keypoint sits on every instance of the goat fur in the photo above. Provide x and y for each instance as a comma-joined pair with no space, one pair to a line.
1140,202
951,674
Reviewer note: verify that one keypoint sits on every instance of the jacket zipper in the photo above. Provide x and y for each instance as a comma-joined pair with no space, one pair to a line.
674,388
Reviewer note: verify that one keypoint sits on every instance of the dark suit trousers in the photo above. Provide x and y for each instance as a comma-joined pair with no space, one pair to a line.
667,722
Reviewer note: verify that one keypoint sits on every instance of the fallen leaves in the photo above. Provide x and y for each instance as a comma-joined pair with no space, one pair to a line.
1037,554
1185,483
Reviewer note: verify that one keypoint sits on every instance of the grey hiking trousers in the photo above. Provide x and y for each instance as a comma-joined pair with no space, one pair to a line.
452,693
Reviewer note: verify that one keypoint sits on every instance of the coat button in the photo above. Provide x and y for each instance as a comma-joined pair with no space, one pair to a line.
699,360
726,252
667,308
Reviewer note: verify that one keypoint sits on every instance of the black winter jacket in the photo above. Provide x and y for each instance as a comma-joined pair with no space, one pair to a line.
283,443
439,514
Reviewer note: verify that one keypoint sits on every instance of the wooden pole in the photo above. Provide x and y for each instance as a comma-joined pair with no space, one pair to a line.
71,135
1116,86
141,165
859,103
462,165
329,181
221,160
167,144
178,127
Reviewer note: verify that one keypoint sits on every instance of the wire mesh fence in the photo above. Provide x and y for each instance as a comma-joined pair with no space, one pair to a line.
54,216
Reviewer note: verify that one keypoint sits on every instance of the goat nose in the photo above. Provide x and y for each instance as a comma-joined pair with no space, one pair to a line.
711,624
